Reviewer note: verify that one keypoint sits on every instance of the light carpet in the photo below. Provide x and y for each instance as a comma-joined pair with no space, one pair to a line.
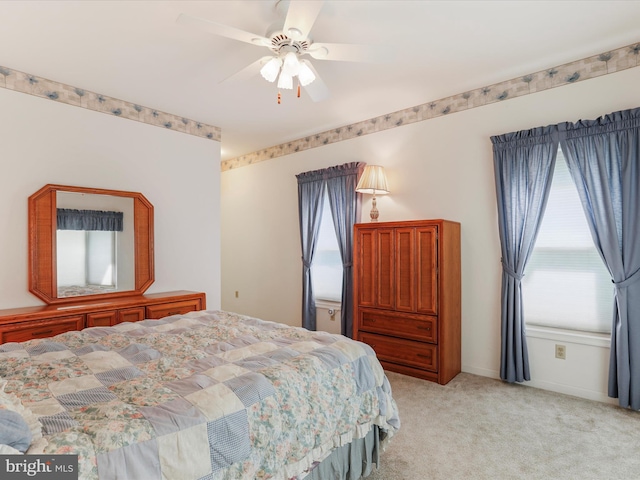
481,428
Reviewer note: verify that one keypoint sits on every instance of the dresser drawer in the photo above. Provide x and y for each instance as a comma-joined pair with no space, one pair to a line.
134,314
415,327
41,329
26,323
101,319
173,308
405,352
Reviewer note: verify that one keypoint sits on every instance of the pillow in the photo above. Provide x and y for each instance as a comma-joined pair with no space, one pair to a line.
14,431
9,402
7,450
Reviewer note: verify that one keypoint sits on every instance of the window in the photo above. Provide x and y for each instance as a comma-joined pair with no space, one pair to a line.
566,283
86,257
326,269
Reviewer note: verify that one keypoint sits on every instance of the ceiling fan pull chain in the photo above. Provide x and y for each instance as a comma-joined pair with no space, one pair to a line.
298,89
279,98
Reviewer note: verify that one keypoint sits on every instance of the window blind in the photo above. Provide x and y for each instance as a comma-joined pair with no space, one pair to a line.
326,269
566,284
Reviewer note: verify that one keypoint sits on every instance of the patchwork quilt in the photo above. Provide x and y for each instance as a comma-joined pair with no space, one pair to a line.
206,395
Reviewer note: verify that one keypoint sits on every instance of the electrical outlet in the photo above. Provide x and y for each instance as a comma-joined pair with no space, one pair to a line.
561,351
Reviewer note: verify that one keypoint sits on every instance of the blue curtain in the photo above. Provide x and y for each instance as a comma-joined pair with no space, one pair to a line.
311,187
523,165
603,156
345,211
69,219
341,183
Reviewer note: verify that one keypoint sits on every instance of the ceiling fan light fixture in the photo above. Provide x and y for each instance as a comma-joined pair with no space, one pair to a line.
285,81
291,65
270,69
306,75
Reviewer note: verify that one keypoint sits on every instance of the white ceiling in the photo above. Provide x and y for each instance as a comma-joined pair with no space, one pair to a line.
135,51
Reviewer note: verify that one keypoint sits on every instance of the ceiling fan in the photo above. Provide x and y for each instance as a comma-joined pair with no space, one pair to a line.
289,42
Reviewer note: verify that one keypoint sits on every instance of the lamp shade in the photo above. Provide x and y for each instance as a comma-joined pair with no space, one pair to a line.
373,181
306,75
271,69
285,81
291,64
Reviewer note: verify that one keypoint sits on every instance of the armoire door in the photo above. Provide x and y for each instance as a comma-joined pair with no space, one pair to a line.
365,257
385,261
405,269
427,269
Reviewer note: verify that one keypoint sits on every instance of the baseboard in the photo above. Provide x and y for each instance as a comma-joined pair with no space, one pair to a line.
483,372
573,391
550,386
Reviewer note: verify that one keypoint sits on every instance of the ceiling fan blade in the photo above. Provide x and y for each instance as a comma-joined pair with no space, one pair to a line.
350,52
249,71
317,90
300,18
223,30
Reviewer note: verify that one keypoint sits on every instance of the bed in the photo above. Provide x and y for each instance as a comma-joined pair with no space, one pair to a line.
206,395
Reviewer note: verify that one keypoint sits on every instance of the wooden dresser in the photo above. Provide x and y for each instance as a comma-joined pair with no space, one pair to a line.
407,295
20,324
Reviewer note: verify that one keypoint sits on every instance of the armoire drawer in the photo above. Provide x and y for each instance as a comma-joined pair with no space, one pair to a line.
405,352
173,308
415,327
41,329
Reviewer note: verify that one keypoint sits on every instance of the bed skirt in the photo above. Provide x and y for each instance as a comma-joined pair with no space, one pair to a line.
352,461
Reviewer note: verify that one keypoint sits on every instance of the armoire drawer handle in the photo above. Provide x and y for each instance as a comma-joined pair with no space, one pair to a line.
422,327
422,355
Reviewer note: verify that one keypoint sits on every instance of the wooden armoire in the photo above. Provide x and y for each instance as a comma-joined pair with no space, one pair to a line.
407,295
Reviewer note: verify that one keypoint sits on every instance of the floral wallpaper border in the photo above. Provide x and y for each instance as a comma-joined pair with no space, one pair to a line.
577,71
59,92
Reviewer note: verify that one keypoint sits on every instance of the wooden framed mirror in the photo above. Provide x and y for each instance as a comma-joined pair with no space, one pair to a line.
63,265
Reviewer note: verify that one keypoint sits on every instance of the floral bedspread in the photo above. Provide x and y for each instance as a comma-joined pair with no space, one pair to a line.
207,395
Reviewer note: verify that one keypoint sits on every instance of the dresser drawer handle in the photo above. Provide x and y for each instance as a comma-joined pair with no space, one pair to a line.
44,332
423,327
422,355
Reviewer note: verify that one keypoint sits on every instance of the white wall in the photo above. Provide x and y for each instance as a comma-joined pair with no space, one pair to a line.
328,316
43,142
439,168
